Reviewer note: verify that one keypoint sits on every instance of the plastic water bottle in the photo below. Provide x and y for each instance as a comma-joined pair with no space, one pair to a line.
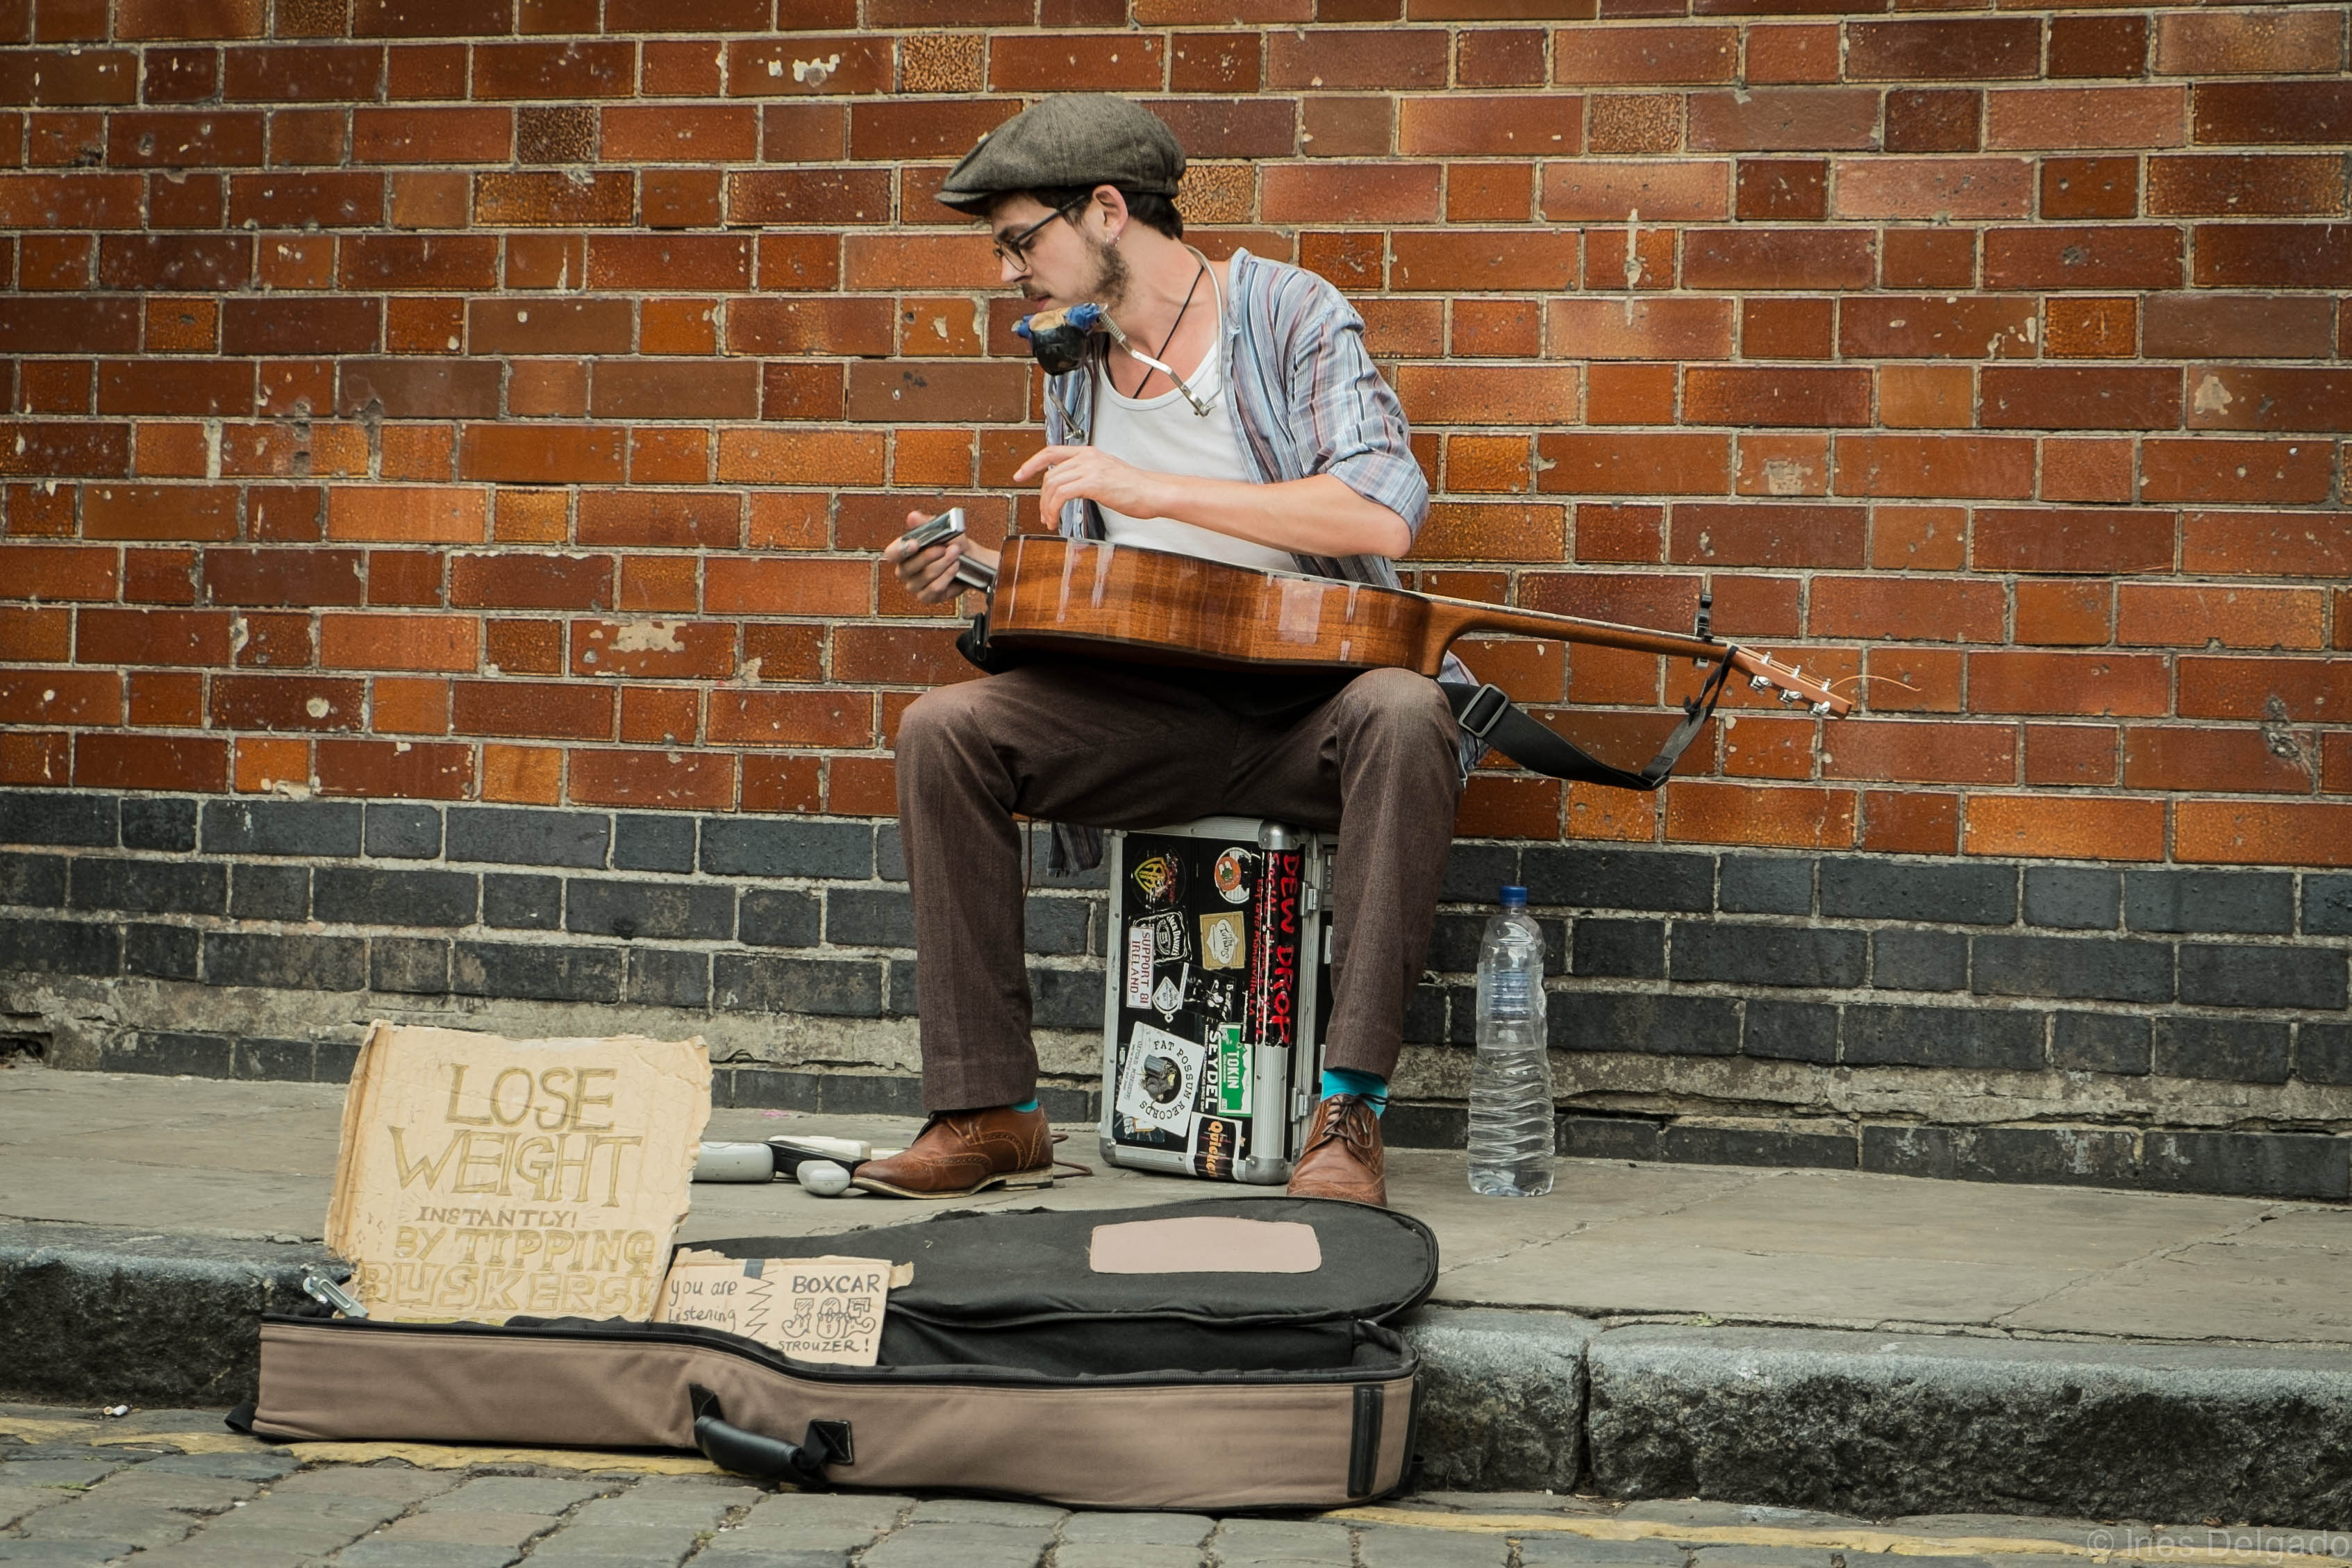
1511,1146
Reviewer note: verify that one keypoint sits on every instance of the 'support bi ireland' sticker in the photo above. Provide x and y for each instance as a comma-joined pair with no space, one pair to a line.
1225,939
1139,965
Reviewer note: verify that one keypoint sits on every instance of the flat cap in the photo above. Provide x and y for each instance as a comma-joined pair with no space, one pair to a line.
1076,139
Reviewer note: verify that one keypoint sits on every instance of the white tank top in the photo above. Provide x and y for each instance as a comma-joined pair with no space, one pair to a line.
1161,434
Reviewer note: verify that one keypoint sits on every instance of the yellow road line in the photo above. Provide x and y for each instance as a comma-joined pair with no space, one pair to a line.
441,1457
1863,1541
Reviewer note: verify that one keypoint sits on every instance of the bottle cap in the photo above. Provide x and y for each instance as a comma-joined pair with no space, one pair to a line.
1515,898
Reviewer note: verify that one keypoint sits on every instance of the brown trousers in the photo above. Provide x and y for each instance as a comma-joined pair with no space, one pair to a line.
1110,745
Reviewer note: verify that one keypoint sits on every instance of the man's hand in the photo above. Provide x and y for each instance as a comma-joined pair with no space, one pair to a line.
1088,473
929,573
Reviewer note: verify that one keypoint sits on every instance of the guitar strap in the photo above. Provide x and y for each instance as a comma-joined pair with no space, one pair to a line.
1495,718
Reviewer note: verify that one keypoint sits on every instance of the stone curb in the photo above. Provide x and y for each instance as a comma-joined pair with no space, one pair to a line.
1870,1425
94,1315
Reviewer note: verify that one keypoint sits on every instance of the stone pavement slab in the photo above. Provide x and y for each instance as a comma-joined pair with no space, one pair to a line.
252,1162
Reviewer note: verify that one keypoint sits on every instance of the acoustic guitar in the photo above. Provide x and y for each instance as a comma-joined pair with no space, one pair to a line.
1150,606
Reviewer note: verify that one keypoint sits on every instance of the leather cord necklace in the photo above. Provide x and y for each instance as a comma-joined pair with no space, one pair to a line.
1148,372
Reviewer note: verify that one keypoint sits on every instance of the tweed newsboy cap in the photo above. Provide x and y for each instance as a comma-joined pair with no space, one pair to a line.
1076,139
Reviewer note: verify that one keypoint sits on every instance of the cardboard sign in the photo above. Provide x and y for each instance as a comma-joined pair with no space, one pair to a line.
479,1177
811,1309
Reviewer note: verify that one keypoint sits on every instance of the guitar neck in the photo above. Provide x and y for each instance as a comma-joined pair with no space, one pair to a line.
1452,619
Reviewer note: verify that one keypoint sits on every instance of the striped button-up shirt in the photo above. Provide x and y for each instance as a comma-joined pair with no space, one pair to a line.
1307,400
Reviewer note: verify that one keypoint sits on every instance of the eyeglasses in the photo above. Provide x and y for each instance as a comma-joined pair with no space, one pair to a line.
1015,248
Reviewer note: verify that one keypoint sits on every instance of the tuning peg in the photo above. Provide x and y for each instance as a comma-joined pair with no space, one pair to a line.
1759,682
1790,699
1820,710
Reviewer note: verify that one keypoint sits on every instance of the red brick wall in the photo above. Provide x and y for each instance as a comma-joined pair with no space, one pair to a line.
407,399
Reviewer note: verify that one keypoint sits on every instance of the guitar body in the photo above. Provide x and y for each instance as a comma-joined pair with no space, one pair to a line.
1071,594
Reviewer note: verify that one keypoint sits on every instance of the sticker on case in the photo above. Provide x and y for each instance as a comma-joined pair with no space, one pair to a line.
1233,1072
1216,1144
1140,944
1232,875
1172,943
1159,880
1225,939
1167,996
1159,1079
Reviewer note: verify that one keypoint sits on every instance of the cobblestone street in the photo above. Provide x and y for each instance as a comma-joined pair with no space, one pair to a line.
175,1489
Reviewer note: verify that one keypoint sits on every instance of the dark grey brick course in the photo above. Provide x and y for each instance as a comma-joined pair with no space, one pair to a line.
2258,1165
1919,960
1768,955
768,847
2073,1156
1634,950
869,917
537,971
1645,1022
518,835
1605,1137
1424,1014
1616,879
838,987
294,962
1766,885
2099,1042
2073,898
33,882
417,966
166,952
2327,905
2323,1052
780,917
1791,1031
2092,968
1699,1145
2262,902
321,827
1857,889
165,1055
2241,1050
44,817
402,830
166,823
149,886
1066,998
276,1061
1476,873
259,892
362,895
670,977
2213,975
596,906
1058,926
645,842
1942,1037
889,853
61,947
511,902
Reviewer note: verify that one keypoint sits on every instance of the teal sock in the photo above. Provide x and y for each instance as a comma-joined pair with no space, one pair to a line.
1370,1086
1027,1105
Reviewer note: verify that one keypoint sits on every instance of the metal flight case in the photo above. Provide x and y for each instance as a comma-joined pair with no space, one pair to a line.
1219,986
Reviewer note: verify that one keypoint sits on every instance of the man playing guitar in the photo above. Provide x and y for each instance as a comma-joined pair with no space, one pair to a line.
1259,433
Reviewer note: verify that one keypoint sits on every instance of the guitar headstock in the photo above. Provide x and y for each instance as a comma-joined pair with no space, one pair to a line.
1792,682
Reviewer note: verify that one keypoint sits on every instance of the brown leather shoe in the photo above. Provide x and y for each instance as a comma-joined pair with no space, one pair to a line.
1342,1158
960,1153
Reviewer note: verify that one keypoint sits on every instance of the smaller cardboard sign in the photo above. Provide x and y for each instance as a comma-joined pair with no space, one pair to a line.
810,1309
